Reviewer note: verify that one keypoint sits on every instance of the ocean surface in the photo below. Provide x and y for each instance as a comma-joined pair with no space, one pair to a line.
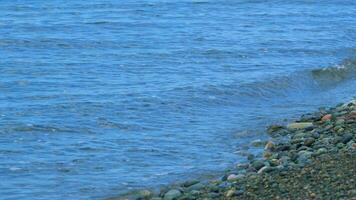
101,97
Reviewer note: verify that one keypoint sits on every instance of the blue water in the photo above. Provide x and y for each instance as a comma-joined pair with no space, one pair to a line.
98,98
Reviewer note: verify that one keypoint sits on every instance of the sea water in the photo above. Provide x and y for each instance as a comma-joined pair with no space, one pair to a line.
98,98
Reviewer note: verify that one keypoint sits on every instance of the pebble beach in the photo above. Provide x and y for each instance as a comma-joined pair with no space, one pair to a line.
310,158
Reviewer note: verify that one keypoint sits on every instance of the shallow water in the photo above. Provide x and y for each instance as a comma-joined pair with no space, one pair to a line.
100,98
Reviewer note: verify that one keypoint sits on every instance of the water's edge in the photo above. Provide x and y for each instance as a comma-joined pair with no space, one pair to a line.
312,136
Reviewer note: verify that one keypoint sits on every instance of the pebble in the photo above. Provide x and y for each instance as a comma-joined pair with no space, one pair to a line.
303,157
321,151
264,169
309,141
283,147
257,164
269,146
346,138
266,154
258,143
274,162
145,194
197,186
234,177
172,194
274,128
326,117
232,193
190,183
300,125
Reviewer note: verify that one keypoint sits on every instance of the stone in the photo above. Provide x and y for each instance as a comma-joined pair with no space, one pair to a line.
172,194
274,128
283,147
242,166
326,117
194,192
274,162
328,127
264,169
258,143
346,138
233,192
321,151
340,122
309,141
224,185
269,146
145,194
250,157
341,130
257,164
190,183
266,154
303,157
340,145
230,193
300,125
232,177
197,186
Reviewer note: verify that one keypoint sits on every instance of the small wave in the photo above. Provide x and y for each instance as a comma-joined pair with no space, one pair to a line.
298,83
38,128
331,75
98,22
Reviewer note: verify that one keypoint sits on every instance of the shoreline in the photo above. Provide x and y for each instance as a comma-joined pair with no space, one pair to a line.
311,158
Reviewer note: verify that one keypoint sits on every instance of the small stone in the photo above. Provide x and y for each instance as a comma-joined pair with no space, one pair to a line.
250,157
224,185
340,145
326,117
340,121
299,135
321,151
346,138
194,192
304,157
172,194
190,183
309,141
266,154
300,125
235,177
197,186
274,128
264,169
353,145
145,194
273,162
258,143
230,193
340,130
283,147
258,164
242,166
269,146
232,177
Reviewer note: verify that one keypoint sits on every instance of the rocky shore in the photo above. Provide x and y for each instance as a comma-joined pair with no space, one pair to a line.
311,158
